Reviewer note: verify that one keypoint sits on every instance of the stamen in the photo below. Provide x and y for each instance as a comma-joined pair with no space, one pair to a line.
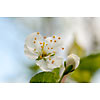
35,38
42,47
43,44
34,42
40,57
50,40
46,44
59,38
49,58
54,40
45,37
48,48
38,33
53,61
53,36
51,48
62,48
40,42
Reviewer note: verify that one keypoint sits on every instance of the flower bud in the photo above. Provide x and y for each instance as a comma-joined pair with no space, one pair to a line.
71,64
74,60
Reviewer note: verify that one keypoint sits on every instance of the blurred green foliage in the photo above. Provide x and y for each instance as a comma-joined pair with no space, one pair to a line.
88,66
34,68
76,49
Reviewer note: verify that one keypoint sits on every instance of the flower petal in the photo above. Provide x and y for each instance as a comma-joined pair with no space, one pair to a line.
55,62
33,42
50,64
54,43
30,54
43,65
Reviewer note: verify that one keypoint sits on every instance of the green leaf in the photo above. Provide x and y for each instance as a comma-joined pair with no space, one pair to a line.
46,77
56,72
88,66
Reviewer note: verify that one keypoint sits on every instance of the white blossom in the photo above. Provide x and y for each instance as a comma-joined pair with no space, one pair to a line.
44,50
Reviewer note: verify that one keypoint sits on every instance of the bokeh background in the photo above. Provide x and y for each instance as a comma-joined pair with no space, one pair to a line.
80,36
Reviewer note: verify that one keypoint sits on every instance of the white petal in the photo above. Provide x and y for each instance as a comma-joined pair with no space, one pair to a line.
57,62
43,65
30,42
48,65
56,43
30,54
73,60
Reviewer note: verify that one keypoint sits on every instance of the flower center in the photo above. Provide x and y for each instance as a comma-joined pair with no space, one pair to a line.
43,51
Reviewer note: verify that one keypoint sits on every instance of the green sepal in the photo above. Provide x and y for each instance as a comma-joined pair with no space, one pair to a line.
68,69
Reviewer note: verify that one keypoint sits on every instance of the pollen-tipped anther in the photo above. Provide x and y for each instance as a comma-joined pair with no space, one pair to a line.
38,33
40,42
49,58
55,41
59,38
40,57
34,42
53,61
42,47
45,37
62,48
50,40
35,38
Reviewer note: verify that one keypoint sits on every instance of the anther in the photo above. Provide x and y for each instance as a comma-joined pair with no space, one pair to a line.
40,57
38,33
34,42
62,48
35,38
40,42
51,48
48,48
42,47
49,58
46,44
54,40
50,40
45,37
53,61
59,38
